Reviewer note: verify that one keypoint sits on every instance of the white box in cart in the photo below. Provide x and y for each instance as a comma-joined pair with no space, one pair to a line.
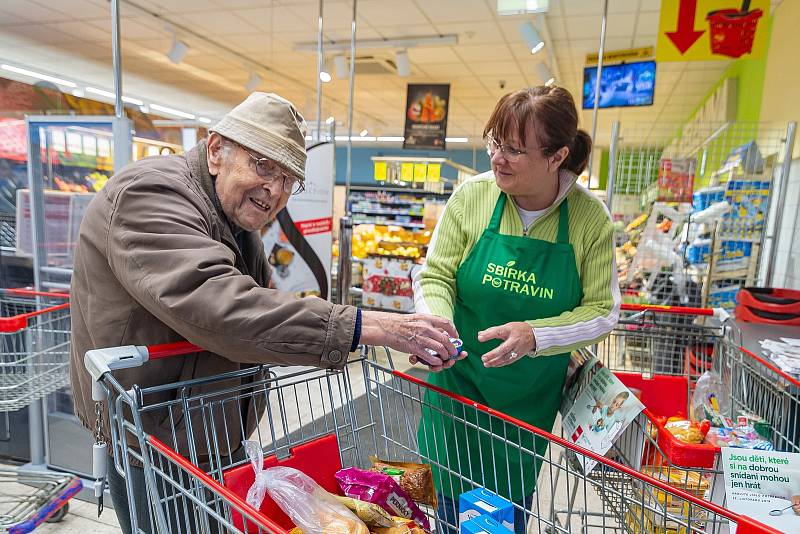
484,525
481,501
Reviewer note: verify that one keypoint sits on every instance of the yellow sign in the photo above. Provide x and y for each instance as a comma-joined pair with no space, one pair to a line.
617,56
434,172
420,172
380,171
702,30
407,172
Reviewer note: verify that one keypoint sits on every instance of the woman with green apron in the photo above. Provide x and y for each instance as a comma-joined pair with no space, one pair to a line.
522,261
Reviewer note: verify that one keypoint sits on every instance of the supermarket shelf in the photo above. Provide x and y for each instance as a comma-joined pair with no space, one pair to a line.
388,222
387,202
385,212
397,190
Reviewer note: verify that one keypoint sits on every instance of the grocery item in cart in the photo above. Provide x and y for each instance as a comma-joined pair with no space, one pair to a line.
484,525
311,508
687,431
370,513
415,479
711,400
380,489
401,526
481,501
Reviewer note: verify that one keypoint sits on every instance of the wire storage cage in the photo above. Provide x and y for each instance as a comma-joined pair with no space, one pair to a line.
691,205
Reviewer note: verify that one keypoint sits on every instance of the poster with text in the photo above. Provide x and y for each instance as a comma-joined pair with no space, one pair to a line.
426,116
764,485
298,244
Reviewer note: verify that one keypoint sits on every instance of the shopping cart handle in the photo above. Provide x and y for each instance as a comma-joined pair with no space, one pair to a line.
101,361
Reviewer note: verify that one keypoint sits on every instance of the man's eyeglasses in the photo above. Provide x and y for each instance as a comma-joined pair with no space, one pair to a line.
266,168
509,152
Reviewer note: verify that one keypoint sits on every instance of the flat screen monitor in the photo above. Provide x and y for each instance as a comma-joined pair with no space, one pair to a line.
627,84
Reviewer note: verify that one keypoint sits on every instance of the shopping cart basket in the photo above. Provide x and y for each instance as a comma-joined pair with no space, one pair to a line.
321,420
34,361
755,388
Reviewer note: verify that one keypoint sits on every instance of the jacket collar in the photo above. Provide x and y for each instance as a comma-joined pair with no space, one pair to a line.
566,182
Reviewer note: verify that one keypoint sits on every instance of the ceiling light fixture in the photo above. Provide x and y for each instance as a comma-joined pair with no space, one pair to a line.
391,139
340,66
172,111
403,63
38,75
178,51
456,139
112,96
330,120
531,36
545,74
521,7
204,120
325,76
253,82
363,133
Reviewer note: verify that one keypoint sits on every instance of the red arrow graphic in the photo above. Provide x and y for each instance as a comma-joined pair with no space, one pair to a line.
685,35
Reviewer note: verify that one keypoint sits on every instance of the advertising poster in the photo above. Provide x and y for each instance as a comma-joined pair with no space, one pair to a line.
676,180
426,116
596,408
764,485
298,244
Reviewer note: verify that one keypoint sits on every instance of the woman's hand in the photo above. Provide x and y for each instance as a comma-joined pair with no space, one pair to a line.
518,340
412,334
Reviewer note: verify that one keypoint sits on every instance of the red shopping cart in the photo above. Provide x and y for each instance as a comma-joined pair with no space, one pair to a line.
320,420
34,361
660,352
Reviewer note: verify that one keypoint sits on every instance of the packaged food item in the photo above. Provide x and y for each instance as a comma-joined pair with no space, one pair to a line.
311,508
401,526
415,479
479,502
371,514
711,400
382,490
484,525
687,431
742,437
457,343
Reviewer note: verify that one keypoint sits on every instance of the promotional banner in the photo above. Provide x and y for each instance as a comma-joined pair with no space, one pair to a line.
298,244
764,485
426,116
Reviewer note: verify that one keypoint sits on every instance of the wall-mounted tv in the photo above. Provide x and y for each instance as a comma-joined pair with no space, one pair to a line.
627,84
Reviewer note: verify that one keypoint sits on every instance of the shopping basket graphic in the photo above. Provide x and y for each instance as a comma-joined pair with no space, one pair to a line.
34,361
367,408
732,31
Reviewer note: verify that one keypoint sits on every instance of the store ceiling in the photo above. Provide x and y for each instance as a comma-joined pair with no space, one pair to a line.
72,38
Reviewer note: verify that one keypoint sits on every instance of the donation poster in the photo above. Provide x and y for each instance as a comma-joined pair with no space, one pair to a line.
764,485
596,409
298,244
426,116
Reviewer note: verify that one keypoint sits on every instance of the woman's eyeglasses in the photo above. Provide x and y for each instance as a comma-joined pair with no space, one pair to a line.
509,152
266,168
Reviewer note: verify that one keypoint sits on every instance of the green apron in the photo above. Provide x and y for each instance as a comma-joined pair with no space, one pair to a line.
504,279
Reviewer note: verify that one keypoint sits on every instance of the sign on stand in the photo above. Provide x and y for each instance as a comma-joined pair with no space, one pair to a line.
702,30
764,485
298,244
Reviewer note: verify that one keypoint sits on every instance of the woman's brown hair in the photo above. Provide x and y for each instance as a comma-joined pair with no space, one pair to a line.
556,122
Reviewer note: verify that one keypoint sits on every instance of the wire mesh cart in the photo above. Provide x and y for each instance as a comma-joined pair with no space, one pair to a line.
319,421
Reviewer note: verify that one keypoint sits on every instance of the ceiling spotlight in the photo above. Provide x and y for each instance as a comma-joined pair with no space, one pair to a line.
253,82
340,66
531,36
544,73
402,62
325,76
363,133
521,7
178,51
330,120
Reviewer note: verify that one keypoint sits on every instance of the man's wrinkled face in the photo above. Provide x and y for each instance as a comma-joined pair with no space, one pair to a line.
249,200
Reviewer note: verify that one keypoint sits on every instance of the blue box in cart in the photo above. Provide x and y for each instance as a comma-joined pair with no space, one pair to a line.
481,501
484,525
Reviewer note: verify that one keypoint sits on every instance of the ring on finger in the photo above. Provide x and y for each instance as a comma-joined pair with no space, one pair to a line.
512,354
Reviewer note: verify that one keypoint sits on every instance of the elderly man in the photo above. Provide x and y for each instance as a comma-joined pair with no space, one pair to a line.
170,250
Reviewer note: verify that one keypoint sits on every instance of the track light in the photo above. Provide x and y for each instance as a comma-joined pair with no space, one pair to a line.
178,51
340,66
329,120
325,76
531,36
544,73
363,133
402,62
253,82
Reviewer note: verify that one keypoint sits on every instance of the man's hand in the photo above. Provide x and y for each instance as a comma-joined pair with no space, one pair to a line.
518,340
412,334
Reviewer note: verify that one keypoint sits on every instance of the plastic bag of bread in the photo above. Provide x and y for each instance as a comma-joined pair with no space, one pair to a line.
416,479
400,526
370,513
311,508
